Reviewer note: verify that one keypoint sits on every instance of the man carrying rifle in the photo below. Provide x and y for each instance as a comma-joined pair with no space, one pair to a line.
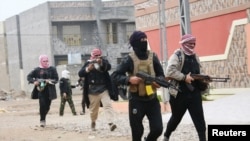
182,63
97,88
44,79
141,93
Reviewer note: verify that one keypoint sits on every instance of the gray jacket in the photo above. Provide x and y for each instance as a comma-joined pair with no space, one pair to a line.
175,64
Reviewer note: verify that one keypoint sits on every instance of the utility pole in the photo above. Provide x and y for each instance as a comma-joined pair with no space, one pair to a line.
185,17
163,37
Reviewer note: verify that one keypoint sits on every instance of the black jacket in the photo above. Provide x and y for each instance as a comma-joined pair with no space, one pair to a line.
41,73
65,86
106,66
127,66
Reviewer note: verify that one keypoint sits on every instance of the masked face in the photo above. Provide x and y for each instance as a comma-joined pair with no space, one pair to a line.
66,74
140,48
142,45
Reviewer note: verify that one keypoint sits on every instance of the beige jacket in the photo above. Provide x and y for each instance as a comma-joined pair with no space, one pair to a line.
175,64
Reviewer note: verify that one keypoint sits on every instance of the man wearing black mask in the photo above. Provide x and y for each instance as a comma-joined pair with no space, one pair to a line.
142,102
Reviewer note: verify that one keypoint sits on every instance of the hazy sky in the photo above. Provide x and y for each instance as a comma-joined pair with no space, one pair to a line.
9,8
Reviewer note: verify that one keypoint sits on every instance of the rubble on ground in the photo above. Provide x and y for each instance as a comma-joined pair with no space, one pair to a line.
12,95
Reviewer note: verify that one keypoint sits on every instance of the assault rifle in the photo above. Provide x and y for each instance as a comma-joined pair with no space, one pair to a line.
162,82
204,80
43,83
94,61
208,78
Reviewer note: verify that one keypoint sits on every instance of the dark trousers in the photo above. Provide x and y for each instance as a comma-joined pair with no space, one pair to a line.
137,111
179,105
44,103
83,103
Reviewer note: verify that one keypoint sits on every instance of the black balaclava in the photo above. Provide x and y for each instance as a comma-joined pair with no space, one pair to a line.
140,47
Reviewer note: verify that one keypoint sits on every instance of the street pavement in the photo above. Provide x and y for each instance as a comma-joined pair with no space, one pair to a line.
228,110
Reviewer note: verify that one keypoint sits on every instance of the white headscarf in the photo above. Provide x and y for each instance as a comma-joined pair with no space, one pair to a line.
66,74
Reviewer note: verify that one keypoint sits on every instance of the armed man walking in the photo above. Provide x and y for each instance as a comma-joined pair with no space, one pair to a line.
182,63
97,87
66,93
143,99
44,79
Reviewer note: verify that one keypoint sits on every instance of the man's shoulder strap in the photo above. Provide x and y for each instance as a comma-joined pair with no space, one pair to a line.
180,56
178,53
134,57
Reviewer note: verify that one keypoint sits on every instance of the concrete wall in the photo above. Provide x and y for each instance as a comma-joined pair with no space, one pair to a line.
4,76
36,25
11,26
35,39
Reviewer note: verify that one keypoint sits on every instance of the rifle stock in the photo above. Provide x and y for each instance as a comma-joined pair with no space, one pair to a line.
162,82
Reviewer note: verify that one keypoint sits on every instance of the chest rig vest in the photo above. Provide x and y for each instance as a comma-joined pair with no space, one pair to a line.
142,65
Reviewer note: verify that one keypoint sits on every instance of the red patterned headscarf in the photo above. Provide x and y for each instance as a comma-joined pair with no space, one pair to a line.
95,52
44,61
188,43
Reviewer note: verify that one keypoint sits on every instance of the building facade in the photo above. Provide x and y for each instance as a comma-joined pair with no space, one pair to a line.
222,31
67,31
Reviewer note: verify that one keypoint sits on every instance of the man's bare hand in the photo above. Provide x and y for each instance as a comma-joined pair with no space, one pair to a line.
135,80
99,60
91,66
36,83
189,78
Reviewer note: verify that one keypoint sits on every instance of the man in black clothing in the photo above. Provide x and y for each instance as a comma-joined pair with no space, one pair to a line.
44,79
97,87
142,96
183,62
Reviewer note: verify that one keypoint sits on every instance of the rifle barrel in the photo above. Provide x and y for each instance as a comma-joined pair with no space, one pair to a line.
218,79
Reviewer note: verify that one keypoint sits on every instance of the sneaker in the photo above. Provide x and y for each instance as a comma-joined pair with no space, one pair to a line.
74,114
112,127
82,113
42,123
93,126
